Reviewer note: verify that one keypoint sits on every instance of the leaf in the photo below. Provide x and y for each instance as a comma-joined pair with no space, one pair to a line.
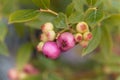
23,55
33,77
42,18
78,5
91,2
42,3
23,16
112,20
94,42
75,17
3,49
46,63
106,42
3,31
93,16
52,76
70,9
60,21
20,29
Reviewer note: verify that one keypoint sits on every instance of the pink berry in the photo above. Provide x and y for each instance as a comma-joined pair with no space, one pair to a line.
39,46
30,69
50,35
13,74
47,27
65,41
78,37
82,27
87,36
51,50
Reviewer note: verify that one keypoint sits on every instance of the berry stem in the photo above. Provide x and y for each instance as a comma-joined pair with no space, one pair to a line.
49,11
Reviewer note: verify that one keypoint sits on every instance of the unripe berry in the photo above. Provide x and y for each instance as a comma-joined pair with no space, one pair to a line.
13,74
84,43
47,27
65,41
51,50
50,35
22,75
43,37
78,37
82,27
39,46
87,36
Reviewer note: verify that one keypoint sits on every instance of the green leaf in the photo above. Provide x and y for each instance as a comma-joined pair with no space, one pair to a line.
51,76
75,17
42,18
23,55
93,16
23,16
113,20
20,29
78,5
3,49
60,21
33,77
42,3
3,31
70,9
54,77
106,42
94,42
91,2
46,63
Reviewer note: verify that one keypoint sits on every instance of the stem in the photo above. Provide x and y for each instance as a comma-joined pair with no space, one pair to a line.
49,11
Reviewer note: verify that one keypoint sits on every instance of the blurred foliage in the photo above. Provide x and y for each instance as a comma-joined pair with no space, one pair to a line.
103,17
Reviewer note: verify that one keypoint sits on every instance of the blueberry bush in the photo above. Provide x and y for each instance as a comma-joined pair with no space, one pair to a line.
54,27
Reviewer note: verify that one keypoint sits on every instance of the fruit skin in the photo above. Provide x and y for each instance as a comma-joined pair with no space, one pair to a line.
30,69
87,36
39,46
43,37
13,74
66,41
51,50
78,37
47,27
84,43
50,35
82,27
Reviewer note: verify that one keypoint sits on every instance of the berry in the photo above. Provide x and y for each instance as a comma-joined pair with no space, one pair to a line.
51,50
65,41
50,35
87,36
13,74
39,46
82,27
22,75
47,27
30,69
43,37
78,37
84,43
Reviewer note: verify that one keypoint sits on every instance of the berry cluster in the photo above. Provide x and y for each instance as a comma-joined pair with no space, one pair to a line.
14,74
52,44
